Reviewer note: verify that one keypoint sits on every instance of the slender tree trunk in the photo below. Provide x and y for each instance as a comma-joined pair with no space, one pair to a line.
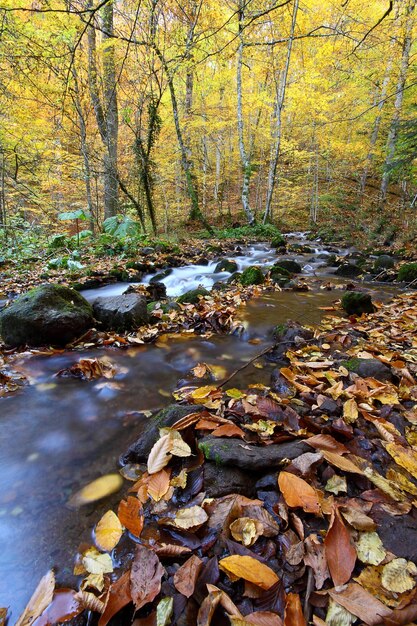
279,105
3,214
244,155
395,122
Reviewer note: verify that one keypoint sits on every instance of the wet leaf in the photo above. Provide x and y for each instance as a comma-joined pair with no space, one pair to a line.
96,490
405,457
97,563
164,611
186,576
293,615
370,549
158,484
398,575
315,557
90,602
130,514
249,569
340,553
260,618
188,518
228,430
208,607
358,520
341,462
298,493
338,616
180,480
145,576
119,596
40,600
108,531
160,455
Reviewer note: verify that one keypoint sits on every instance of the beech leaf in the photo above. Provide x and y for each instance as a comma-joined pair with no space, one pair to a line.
145,576
41,598
298,493
159,456
249,569
108,531
340,553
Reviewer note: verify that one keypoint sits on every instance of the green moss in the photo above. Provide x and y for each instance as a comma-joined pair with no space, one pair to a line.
278,241
252,276
193,296
407,272
356,303
352,364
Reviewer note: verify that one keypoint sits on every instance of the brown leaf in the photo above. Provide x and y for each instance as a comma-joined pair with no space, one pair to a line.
119,596
130,514
293,615
65,606
361,603
263,618
326,442
159,456
186,576
207,608
341,462
340,553
169,549
298,493
41,598
158,484
228,430
250,569
145,576
315,557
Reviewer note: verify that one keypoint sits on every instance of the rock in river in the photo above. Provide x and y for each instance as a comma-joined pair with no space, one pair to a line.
121,313
49,314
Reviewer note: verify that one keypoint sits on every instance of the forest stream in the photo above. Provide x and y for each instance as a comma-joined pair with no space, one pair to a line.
58,434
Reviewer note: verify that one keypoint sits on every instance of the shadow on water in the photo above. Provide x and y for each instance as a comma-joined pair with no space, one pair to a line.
58,434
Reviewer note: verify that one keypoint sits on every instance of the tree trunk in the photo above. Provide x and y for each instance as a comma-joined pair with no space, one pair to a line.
279,105
395,122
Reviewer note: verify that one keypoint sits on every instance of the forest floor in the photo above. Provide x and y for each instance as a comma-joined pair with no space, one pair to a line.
321,527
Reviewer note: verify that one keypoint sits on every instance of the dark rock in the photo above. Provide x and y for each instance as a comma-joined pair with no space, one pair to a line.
161,275
49,314
398,533
285,336
369,368
147,250
384,262
278,242
156,291
139,450
348,270
222,480
279,384
252,276
219,285
253,458
356,303
201,261
121,313
300,248
137,265
269,481
193,296
288,264
226,266
234,278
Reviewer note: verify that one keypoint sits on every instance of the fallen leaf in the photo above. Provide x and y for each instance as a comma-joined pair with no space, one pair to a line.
250,569
341,462
208,607
246,530
298,493
293,615
164,611
40,600
160,455
370,549
90,602
315,557
340,553
186,576
397,575
96,490
130,514
145,576
108,531
358,520
97,563
405,457
118,596
188,518
326,442
228,430
360,603
350,411
158,484
337,615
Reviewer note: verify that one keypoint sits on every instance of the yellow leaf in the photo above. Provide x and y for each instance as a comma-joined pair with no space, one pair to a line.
41,598
249,569
246,530
159,456
397,575
180,480
97,563
341,462
189,518
370,549
404,457
336,484
298,493
99,488
108,531
202,392
350,411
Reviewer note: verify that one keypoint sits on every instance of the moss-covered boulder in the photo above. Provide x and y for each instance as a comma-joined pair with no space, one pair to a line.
234,278
356,303
252,276
407,272
161,275
383,262
348,270
49,314
291,266
193,296
278,242
226,266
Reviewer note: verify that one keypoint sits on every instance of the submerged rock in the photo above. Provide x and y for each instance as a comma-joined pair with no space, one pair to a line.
49,314
121,313
224,451
161,275
369,368
384,262
356,303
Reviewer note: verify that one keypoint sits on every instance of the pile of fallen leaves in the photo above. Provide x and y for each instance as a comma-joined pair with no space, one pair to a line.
327,534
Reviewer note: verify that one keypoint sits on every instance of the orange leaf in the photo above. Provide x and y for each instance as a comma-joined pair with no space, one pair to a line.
186,576
293,615
361,603
326,442
130,514
341,462
298,493
158,484
250,569
228,430
340,553
118,596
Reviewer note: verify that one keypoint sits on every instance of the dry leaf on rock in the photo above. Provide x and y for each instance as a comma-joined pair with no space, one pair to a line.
97,489
40,600
340,553
326,442
160,455
228,430
108,531
250,569
130,514
145,576
370,549
298,493
186,576
398,575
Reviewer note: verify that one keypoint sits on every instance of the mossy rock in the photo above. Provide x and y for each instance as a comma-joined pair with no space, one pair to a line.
356,303
46,315
384,262
214,249
226,266
407,272
278,242
292,267
252,276
119,274
348,270
193,296
234,278
161,275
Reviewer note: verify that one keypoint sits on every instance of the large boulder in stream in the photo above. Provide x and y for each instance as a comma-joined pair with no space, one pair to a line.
290,265
348,270
121,313
193,296
357,302
252,275
226,266
49,314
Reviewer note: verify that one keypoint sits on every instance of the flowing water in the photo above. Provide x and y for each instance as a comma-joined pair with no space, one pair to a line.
58,434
